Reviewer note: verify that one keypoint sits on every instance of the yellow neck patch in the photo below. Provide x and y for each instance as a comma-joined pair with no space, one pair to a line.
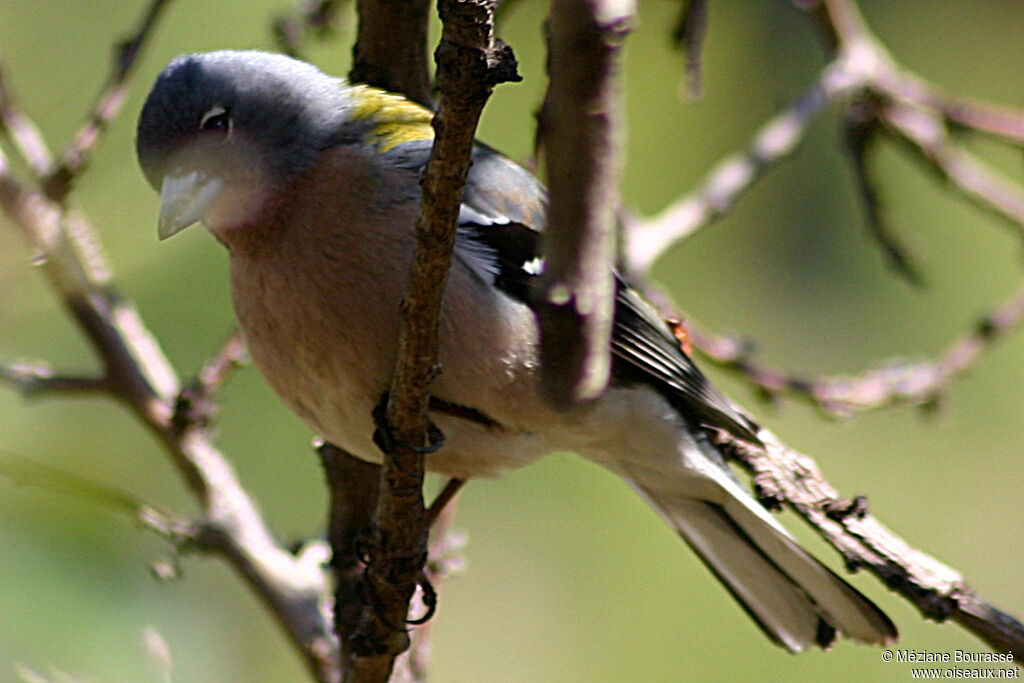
396,119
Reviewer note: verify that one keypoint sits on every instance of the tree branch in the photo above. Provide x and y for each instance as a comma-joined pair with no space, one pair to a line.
689,34
21,130
774,142
781,475
916,113
886,385
39,380
862,130
136,372
291,27
582,130
862,75
108,105
471,61
391,48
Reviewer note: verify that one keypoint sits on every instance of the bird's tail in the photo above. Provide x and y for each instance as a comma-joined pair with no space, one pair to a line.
795,599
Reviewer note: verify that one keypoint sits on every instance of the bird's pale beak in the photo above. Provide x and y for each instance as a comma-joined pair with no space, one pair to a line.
186,198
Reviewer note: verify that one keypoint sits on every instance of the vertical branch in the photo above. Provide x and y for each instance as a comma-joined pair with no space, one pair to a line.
391,47
582,123
471,61
353,485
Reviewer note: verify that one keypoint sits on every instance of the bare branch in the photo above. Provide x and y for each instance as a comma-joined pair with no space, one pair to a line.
775,141
927,135
471,61
196,403
782,475
138,373
108,105
861,128
913,111
391,48
39,380
972,116
231,356
889,384
444,500
689,35
582,133
22,131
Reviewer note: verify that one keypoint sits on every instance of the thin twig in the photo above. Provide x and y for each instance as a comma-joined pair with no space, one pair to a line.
916,112
35,380
108,105
1002,123
927,135
22,131
232,355
443,500
689,35
862,130
775,141
891,384
290,28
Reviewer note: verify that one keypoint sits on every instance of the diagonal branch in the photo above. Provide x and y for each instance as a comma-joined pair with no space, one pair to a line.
926,134
782,475
21,130
774,142
108,105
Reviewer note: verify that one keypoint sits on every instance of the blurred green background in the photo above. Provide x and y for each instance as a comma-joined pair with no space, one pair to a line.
570,577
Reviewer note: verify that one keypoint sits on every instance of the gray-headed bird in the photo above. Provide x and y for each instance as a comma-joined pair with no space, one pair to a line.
313,185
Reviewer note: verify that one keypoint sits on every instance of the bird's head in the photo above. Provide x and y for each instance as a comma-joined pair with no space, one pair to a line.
221,132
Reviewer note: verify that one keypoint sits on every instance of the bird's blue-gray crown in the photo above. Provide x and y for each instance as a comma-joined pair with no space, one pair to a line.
289,110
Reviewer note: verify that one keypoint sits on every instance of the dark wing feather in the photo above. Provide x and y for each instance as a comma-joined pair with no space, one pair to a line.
644,341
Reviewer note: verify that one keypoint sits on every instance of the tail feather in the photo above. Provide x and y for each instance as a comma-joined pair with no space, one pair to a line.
780,607
795,599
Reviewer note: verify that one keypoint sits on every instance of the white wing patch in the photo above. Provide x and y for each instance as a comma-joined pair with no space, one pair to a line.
534,266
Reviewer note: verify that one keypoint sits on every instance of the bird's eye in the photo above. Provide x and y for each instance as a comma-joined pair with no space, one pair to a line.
217,119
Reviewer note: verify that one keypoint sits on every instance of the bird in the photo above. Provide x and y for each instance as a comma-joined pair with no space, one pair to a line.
312,184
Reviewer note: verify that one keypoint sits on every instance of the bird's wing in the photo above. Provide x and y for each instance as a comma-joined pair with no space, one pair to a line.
499,239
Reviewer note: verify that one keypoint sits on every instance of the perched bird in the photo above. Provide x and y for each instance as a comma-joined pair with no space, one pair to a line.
313,186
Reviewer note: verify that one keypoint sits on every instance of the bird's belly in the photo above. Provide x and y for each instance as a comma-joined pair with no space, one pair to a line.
330,362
